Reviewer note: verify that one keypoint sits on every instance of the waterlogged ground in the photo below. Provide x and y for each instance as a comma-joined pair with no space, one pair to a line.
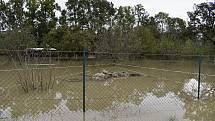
165,92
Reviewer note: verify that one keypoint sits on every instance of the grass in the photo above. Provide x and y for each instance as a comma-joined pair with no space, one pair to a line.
36,80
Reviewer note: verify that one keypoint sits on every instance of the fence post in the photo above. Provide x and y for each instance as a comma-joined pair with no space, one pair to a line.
84,79
199,76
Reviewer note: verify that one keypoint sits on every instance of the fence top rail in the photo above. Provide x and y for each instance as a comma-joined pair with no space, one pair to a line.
55,51
127,53
46,68
143,54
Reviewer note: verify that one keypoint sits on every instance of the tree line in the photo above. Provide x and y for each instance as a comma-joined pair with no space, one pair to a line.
99,26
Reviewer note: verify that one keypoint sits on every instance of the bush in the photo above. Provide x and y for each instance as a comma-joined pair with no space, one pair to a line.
17,39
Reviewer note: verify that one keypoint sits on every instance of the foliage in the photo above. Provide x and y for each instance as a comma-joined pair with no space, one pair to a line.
3,18
65,39
15,14
145,40
98,26
167,45
202,21
17,39
190,47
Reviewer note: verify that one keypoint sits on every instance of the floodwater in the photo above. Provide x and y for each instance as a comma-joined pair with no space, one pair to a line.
164,92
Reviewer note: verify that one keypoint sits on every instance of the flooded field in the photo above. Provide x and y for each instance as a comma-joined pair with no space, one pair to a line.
165,91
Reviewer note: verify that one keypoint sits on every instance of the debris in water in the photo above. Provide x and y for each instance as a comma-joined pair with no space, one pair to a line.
104,75
191,88
58,95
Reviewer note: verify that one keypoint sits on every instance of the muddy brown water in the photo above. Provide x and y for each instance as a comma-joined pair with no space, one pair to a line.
156,96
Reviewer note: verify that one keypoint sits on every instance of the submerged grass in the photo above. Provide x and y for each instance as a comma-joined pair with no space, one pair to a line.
36,80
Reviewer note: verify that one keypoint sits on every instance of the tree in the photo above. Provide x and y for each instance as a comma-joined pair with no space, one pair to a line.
78,40
145,40
15,13
101,14
31,13
190,47
78,12
18,39
161,20
3,18
55,38
124,18
202,21
89,14
63,19
176,25
97,25
72,8
167,45
141,15
46,18
176,28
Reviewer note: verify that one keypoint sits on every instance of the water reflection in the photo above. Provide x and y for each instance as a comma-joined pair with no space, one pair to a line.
191,88
61,112
5,113
150,108
132,99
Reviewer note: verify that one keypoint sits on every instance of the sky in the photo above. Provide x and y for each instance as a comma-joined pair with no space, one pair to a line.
175,8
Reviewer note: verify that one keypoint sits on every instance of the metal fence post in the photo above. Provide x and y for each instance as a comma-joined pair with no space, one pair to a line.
84,79
199,76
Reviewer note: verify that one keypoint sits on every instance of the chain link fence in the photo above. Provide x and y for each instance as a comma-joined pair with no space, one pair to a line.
50,85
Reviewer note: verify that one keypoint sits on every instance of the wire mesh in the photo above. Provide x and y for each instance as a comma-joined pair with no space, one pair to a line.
149,87
40,85
48,85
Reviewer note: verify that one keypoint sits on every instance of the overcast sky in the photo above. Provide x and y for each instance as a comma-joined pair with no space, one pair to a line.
175,8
